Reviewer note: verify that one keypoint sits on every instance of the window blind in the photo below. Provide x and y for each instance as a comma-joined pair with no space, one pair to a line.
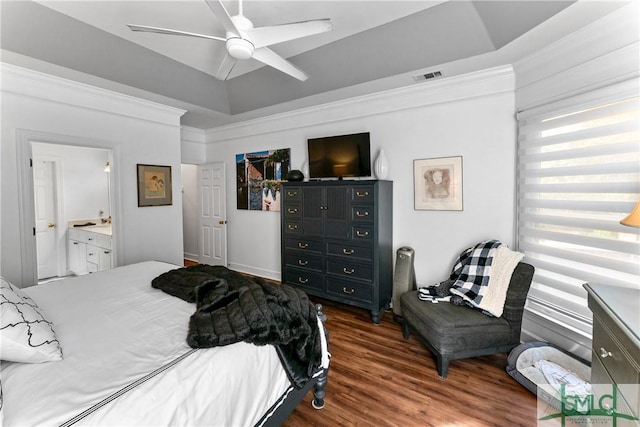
578,176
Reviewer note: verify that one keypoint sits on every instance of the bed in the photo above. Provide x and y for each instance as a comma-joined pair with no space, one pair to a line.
125,361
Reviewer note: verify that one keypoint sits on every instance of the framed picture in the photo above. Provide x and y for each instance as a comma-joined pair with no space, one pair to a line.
154,185
437,184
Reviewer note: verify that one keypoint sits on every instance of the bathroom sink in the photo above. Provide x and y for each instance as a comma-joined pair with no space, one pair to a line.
102,229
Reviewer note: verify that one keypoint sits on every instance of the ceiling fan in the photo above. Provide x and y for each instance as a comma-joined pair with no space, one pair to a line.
243,41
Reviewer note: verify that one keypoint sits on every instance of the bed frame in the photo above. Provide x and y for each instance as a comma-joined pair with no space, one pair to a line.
319,382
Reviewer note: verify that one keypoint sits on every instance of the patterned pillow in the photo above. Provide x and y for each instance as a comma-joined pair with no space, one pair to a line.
25,335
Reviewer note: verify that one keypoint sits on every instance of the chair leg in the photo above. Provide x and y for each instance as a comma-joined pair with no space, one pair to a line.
442,364
405,330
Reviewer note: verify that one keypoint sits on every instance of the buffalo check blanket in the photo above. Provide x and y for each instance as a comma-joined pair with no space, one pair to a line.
482,274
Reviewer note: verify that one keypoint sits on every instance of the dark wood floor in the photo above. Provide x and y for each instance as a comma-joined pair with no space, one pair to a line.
378,378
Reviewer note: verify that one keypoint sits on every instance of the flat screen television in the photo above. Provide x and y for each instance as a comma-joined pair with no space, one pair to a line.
339,156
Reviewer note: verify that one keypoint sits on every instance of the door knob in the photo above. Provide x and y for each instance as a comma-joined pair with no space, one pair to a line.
51,225
222,221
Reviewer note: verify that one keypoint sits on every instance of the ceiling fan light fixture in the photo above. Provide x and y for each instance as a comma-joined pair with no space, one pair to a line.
240,48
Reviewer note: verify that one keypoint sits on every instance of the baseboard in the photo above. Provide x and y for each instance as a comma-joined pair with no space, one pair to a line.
191,257
538,328
267,274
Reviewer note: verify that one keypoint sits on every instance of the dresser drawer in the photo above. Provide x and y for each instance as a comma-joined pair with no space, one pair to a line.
362,233
307,280
306,245
302,260
350,270
292,194
364,214
602,388
614,358
362,194
352,290
293,211
350,251
292,227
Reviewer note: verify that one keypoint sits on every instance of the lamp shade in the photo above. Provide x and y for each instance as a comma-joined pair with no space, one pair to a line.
633,219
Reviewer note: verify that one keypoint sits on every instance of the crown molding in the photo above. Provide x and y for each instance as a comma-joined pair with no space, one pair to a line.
34,84
466,86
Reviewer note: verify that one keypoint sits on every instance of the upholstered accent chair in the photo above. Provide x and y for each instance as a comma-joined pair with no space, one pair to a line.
457,332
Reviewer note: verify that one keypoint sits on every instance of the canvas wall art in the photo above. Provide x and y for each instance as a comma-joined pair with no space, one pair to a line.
258,178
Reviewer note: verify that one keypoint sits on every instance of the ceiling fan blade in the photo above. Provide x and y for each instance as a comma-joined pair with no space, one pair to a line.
269,57
223,16
225,67
147,29
266,36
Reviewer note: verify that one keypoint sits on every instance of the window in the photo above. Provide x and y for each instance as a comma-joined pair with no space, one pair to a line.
578,176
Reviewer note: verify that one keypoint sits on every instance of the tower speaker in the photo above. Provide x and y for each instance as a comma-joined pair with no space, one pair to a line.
404,277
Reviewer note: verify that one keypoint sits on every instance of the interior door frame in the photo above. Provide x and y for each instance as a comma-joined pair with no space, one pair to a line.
26,204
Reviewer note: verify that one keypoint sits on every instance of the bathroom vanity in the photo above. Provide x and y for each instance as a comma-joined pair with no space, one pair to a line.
89,249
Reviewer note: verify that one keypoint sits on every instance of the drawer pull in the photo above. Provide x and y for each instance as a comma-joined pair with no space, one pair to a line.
293,227
302,245
364,194
604,353
348,291
292,193
303,262
362,233
345,271
107,252
348,251
302,280
362,214
293,210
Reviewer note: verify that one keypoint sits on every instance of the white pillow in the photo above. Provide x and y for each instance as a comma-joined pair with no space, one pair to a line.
25,335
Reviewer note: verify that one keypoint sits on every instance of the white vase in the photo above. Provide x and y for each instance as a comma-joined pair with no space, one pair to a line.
381,166
305,170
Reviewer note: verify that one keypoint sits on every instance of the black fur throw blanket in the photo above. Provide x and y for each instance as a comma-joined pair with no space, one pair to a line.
231,307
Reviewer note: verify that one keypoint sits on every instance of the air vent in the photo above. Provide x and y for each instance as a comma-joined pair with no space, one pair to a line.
427,76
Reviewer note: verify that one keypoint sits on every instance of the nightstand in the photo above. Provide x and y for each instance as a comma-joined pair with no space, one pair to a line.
616,344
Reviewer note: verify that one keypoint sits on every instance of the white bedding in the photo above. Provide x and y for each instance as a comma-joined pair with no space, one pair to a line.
103,322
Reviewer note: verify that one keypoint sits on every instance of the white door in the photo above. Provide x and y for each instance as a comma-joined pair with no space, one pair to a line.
212,213
44,191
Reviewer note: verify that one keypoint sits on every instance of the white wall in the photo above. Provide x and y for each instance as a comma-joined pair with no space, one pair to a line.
39,107
84,182
470,116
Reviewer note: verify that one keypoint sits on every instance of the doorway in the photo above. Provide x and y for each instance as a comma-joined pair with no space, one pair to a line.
71,184
204,213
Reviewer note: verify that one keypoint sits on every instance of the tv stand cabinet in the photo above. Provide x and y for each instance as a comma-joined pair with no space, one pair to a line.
336,241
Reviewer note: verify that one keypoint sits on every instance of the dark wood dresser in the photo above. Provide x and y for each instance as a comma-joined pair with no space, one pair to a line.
615,358
337,241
